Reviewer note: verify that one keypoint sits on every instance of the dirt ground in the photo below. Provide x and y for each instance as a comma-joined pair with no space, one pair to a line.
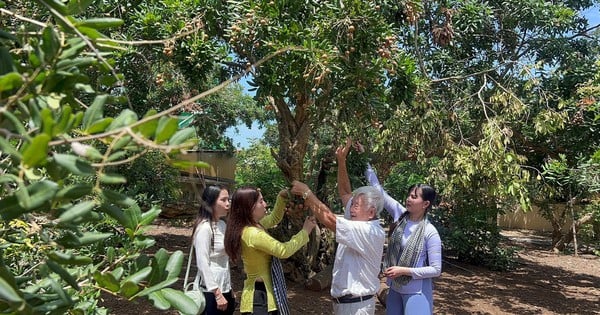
543,283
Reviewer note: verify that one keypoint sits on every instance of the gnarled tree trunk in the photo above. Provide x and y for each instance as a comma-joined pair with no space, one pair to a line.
294,135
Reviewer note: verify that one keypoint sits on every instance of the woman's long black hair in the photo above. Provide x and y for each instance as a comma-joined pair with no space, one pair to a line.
206,211
427,193
240,216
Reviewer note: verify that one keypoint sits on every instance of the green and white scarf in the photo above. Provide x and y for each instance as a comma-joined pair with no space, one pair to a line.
407,256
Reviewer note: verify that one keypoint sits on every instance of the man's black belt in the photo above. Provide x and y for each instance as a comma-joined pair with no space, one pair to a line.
351,299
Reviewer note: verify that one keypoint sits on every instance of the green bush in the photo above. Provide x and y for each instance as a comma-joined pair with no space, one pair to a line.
67,234
474,239
151,180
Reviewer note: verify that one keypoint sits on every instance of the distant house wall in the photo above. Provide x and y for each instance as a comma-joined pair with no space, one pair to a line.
531,220
221,170
221,164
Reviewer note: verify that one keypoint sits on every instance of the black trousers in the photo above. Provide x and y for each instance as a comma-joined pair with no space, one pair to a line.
211,304
260,305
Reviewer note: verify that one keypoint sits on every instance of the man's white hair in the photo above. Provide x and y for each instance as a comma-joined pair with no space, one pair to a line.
371,196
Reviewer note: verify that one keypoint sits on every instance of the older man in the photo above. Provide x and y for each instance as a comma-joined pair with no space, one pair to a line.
360,239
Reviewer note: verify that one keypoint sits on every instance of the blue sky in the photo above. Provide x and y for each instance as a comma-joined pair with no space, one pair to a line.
593,15
244,137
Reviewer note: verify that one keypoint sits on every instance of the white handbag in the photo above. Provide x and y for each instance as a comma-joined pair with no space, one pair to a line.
192,292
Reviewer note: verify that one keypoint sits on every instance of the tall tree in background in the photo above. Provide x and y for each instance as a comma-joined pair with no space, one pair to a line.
170,58
343,68
344,65
502,99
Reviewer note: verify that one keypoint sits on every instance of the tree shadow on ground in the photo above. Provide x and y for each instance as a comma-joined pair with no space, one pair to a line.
532,288
543,283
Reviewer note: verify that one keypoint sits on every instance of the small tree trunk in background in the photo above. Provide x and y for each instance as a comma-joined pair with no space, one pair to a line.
573,230
567,238
321,280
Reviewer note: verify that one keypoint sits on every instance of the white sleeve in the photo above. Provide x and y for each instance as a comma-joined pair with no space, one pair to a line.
433,247
202,248
393,207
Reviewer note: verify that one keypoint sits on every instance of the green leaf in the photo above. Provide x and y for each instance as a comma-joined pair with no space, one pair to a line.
6,66
87,151
134,213
10,208
86,88
127,117
143,242
111,179
92,33
69,258
99,125
184,164
160,261
182,135
100,23
9,81
47,121
70,240
121,142
147,129
76,7
95,112
74,164
35,61
74,191
17,125
149,216
57,5
129,289
76,45
8,36
107,281
118,198
117,156
92,237
7,148
63,273
138,276
8,178
159,286
74,121
173,267
22,195
41,192
81,62
118,273
50,43
180,301
6,63
117,214
160,302
8,293
77,211
37,151
166,128
63,121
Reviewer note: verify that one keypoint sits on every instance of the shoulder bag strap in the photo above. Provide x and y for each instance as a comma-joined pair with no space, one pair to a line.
187,272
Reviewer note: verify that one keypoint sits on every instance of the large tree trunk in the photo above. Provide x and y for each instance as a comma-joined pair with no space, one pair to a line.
294,135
